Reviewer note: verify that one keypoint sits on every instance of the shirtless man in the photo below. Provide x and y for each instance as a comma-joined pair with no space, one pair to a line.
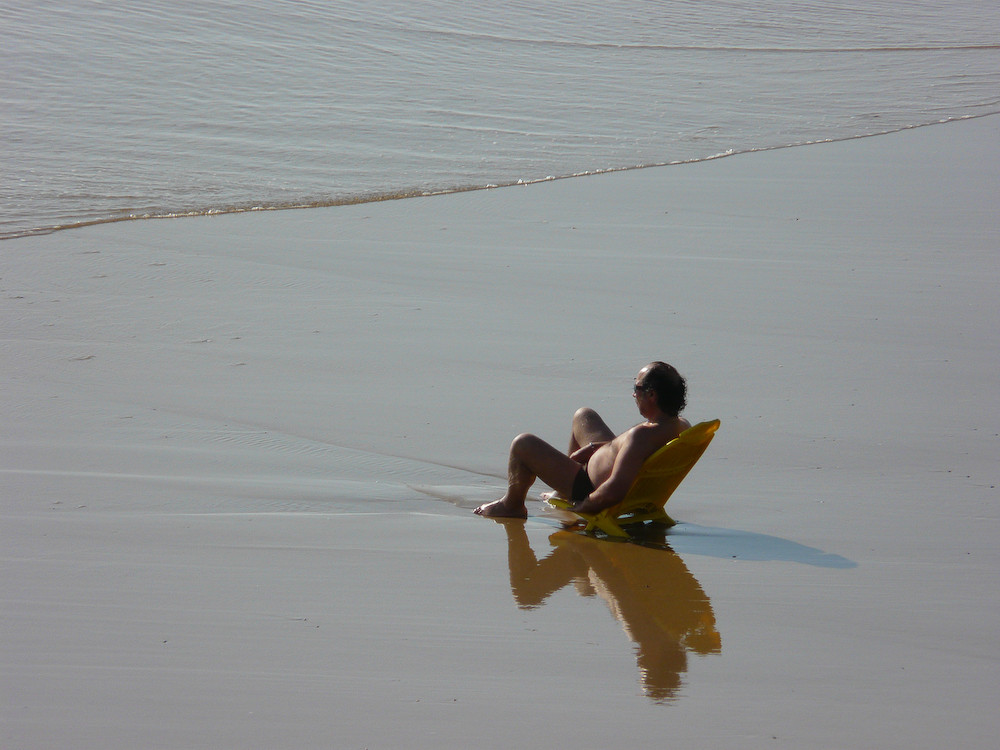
600,468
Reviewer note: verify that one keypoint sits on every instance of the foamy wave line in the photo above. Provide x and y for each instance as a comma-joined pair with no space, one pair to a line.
393,195
500,39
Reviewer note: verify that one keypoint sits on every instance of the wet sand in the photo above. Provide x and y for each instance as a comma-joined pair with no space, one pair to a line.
240,455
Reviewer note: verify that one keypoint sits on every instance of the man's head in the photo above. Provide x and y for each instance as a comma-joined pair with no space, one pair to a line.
666,384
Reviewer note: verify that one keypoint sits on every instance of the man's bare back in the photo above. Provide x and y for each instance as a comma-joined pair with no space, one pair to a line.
610,462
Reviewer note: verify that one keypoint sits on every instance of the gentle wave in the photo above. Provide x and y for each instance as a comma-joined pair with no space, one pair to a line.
377,197
534,42
164,109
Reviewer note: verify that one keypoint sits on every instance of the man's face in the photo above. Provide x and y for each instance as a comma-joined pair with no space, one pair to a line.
640,391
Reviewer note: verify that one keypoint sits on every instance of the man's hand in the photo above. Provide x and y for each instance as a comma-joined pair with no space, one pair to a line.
582,455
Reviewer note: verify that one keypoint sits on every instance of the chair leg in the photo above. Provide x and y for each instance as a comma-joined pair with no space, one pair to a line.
660,516
609,525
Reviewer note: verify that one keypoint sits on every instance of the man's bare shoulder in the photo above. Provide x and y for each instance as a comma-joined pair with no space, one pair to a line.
655,436
639,431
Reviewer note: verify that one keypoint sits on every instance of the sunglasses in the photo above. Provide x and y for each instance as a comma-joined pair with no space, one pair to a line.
639,388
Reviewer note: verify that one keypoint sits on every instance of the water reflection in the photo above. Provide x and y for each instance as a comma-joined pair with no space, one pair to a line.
660,605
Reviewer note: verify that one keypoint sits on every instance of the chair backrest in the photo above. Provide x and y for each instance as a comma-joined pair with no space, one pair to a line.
666,469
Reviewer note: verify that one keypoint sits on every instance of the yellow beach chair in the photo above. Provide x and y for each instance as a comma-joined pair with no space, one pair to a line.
657,480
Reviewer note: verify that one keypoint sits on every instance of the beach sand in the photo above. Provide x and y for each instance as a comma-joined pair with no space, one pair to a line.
240,455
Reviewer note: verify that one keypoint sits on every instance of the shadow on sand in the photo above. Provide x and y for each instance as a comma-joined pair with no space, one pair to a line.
692,539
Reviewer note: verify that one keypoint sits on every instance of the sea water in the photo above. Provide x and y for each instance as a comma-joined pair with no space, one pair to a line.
115,110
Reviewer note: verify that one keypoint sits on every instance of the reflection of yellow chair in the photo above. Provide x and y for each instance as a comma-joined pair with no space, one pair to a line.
657,480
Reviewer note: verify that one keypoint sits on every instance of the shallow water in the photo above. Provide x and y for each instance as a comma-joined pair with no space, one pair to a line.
163,108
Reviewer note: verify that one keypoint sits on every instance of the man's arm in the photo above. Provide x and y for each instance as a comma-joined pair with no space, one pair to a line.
631,456
582,455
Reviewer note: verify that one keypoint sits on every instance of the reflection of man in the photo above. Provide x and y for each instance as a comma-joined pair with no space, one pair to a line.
659,603
600,467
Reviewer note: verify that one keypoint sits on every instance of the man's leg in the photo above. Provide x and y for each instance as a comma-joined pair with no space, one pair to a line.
588,427
531,458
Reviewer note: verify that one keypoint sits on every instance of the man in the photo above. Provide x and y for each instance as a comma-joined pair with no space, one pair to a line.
600,467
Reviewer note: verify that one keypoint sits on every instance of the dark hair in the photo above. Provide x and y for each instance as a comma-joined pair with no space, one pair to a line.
669,387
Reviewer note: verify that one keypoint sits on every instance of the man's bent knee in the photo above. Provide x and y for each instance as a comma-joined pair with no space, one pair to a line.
524,441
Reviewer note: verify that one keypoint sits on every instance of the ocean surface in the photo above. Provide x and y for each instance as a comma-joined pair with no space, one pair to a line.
116,110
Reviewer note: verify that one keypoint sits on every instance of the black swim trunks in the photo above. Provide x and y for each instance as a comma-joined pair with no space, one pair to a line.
582,486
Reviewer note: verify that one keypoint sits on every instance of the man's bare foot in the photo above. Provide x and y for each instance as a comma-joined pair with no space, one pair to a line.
499,509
